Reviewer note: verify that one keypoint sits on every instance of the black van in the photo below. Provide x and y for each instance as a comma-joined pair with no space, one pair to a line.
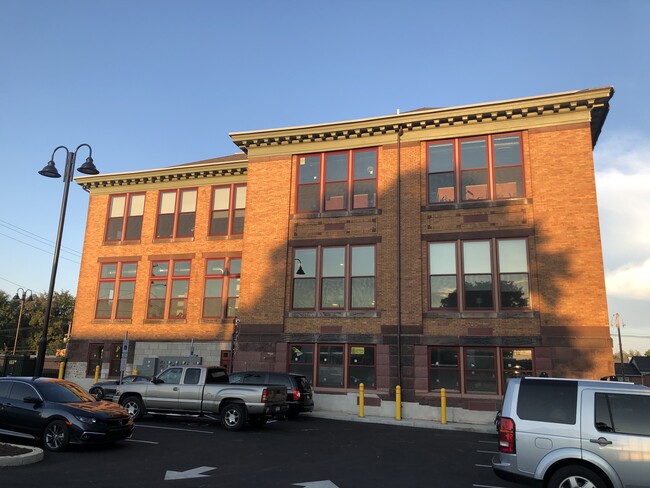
299,393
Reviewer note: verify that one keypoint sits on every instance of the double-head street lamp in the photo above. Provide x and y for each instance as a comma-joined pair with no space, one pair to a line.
23,296
50,171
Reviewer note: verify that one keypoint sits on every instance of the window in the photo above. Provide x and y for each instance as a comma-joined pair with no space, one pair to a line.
116,279
95,353
337,181
330,366
548,401
444,371
623,413
343,278
478,279
168,289
116,360
479,168
171,376
228,207
361,367
301,360
517,363
125,214
221,296
176,214
480,371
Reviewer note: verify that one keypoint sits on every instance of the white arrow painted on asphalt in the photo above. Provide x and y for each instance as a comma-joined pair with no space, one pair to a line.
317,484
190,473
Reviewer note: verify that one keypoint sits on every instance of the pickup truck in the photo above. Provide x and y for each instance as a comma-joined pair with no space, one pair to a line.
203,391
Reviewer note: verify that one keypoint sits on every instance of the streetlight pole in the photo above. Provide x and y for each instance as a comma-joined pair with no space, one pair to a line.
23,296
51,172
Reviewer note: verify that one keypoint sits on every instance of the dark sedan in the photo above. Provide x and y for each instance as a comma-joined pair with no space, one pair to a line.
59,413
106,389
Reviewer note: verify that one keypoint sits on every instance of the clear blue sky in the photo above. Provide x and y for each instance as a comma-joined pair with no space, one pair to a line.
155,83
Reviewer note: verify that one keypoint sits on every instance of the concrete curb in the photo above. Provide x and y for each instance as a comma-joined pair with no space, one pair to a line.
35,455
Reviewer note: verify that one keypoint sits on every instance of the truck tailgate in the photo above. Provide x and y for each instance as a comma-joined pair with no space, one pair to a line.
276,394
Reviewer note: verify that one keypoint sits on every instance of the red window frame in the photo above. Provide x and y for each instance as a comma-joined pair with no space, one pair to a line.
359,176
469,369
315,271
119,292
234,211
228,298
495,168
179,216
168,280
127,218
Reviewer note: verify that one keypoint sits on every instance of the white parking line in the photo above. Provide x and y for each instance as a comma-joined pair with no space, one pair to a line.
487,486
488,452
142,442
482,465
175,428
487,442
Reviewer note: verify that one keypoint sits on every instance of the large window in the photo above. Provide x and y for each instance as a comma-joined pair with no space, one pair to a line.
480,370
125,217
494,275
337,181
176,214
334,278
228,207
480,168
301,360
95,354
444,372
168,291
221,296
116,280
361,367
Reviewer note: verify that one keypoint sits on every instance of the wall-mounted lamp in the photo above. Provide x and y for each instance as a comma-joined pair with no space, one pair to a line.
300,271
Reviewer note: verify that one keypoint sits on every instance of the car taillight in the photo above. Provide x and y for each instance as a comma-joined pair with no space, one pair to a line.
507,436
265,395
296,395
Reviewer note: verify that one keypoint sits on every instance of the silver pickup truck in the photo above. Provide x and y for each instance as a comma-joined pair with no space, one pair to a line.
203,391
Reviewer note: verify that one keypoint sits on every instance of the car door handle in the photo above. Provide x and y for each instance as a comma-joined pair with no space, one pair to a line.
601,441
176,388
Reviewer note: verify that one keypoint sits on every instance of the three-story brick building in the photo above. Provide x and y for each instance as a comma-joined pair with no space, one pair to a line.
440,248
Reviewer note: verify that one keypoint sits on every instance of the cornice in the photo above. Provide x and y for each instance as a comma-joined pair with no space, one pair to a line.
595,102
190,173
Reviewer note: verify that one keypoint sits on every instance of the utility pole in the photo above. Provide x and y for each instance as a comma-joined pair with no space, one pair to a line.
617,319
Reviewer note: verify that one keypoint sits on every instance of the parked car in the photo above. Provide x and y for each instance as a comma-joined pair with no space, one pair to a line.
299,393
59,412
106,389
561,433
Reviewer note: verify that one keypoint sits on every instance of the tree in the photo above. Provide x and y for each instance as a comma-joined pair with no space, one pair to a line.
647,353
627,355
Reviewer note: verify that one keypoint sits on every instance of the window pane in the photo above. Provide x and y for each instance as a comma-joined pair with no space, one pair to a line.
507,151
215,266
363,293
514,290
517,363
336,196
129,270
333,293
509,182
441,157
233,304
167,203
177,308
136,205
117,206
182,268
630,413
307,258
441,187
365,194
180,288
304,293
233,287
213,287
444,357
219,222
474,185
363,261
212,307
158,290
114,229
512,256
334,261
330,366
336,167
480,370
238,222
188,201
476,257
445,378
240,197
444,292
160,268
127,290
124,309
165,225
358,375
308,198
302,353
479,359
473,154
133,228
186,225
478,291
365,164
235,266
156,309
109,270
221,200
442,258
309,169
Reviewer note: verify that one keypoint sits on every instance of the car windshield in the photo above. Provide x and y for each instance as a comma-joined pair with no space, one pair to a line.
54,391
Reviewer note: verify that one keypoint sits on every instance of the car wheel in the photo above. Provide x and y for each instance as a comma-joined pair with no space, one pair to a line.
576,477
98,393
233,416
258,420
56,436
134,407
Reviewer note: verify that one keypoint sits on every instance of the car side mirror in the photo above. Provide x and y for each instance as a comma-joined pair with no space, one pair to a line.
156,381
34,400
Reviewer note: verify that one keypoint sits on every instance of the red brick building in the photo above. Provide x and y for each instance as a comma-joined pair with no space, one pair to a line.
438,248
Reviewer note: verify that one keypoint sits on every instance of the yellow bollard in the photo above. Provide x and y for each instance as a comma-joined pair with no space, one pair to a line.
361,400
398,402
96,373
443,406
135,371
61,369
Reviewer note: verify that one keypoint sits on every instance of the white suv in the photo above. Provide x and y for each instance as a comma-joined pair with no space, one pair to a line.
561,433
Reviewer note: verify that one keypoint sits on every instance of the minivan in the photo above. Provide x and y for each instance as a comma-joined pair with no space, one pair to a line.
567,433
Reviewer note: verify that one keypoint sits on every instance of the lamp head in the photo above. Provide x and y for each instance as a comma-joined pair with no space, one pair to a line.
50,170
88,168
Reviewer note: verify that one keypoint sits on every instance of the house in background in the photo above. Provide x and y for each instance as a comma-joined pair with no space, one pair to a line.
440,248
637,370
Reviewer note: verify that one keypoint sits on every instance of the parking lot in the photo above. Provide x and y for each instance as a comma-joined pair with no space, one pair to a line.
311,452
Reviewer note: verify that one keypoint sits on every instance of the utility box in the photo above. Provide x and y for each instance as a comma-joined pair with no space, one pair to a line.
19,365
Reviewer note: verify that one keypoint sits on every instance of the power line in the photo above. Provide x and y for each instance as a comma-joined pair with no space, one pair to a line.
38,248
36,237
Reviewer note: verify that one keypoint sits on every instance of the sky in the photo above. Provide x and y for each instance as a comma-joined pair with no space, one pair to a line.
155,83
